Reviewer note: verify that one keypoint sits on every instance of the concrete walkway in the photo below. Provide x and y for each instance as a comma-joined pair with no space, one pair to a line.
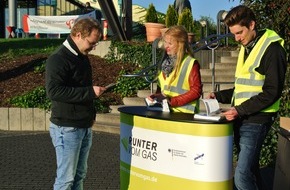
27,161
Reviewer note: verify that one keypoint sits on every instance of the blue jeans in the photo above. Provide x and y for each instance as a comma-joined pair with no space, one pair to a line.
72,146
249,138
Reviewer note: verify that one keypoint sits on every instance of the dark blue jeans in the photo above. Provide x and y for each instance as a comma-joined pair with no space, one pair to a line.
249,138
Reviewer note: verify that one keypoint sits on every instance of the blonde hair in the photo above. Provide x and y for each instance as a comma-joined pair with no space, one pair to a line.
179,34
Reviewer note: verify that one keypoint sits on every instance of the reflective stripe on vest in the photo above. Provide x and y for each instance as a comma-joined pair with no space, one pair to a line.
248,81
179,86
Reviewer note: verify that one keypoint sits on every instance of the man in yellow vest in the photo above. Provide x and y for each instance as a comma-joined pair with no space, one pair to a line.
259,81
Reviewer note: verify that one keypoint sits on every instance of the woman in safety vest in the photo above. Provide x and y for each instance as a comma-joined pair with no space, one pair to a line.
179,80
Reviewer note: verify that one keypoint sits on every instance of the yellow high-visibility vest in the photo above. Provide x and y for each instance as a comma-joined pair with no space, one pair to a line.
179,86
248,82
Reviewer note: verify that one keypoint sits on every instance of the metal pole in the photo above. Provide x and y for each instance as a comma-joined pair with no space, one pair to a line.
206,29
227,38
213,70
12,13
154,57
18,17
120,3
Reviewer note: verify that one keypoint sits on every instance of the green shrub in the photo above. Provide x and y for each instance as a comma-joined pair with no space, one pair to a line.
128,86
171,17
33,99
185,19
40,68
102,104
16,47
269,149
151,14
135,53
37,99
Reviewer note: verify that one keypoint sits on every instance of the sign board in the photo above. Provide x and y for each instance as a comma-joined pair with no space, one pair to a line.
162,154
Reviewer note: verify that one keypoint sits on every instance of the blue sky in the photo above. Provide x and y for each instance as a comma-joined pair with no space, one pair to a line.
199,8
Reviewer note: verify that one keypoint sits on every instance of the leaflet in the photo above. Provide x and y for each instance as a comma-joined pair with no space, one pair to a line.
110,87
157,106
212,111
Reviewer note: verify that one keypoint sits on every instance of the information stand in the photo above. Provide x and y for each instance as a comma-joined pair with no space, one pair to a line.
171,151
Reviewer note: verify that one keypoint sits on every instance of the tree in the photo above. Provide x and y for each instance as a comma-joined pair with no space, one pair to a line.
211,26
153,28
151,14
185,19
171,17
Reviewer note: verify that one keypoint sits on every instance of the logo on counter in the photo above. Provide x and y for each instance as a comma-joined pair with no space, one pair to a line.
140,147
125,143
177,153
199,159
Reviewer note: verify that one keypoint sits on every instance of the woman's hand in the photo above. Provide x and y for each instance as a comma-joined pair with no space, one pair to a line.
158,97
210,96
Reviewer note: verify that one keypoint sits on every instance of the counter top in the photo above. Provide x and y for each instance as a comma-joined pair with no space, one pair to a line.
173,116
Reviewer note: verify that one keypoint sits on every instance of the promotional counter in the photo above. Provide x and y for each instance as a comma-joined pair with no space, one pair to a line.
171,151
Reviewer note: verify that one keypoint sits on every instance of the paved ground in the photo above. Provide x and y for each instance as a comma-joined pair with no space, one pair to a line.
27,161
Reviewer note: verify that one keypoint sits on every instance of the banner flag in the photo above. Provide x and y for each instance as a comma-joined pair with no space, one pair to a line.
51,24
